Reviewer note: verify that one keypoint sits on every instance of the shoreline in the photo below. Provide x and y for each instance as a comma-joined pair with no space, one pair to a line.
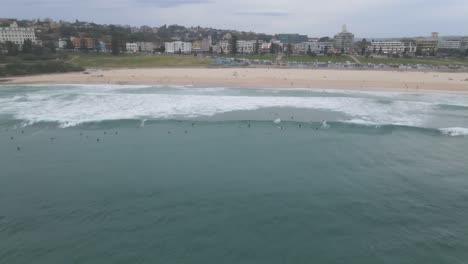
282,78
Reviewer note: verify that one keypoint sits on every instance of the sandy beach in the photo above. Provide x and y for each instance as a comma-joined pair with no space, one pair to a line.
261,78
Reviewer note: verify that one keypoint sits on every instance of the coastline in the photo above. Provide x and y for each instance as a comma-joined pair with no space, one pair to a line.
260,78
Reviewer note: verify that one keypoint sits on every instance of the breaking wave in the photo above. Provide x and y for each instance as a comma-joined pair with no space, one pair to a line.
71,105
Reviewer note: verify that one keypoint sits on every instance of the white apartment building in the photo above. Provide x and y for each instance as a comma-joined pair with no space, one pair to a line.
325,46
147,47
62,43
387,47
248,46
132,47
16,34
449,44
303,47
224,46
176,46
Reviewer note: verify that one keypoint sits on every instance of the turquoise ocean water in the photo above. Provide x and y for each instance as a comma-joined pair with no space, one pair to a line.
154,174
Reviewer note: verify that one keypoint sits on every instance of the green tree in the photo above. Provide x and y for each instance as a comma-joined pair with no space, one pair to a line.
97,45
466,53
69,45
12,48
116,43
380,50
363,46
221,51
418,51
289,49
27,46
309,51
83,45
234,45
273,48
210,51
51,46
325,50
38,50
257,47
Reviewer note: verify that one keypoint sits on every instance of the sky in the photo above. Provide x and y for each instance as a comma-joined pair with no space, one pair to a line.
364,18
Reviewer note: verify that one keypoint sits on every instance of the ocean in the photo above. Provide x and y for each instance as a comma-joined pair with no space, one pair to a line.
159,174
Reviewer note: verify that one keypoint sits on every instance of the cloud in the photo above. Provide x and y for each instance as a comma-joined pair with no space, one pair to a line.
171,3
365,18
262,13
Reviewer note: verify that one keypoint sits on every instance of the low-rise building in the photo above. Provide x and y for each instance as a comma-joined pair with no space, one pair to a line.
178,47
449,45
303,47
248,46
131,47
146,47
16,34
206,44
82,43
62,43
224,47
387,47
464,43
325,46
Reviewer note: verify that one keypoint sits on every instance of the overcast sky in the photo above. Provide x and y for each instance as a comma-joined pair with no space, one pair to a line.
365,18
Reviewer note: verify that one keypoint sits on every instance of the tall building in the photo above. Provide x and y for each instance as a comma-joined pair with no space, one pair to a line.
16,34
344,40
178,46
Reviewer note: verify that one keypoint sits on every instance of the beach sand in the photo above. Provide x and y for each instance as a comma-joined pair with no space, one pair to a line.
261,78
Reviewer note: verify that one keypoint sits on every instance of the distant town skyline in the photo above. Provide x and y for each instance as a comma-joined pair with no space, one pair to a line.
365,18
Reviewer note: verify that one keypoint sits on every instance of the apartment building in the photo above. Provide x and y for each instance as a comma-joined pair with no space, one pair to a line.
248,46
387,47
206,44
16,34
428,45
344,40
449,44
224,46
178,46
82,43
303,47
146,47
131,47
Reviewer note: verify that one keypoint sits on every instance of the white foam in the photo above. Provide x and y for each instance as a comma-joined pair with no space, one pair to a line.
70,105
454,131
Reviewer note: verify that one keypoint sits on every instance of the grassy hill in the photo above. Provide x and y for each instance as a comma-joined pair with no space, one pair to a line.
93,60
